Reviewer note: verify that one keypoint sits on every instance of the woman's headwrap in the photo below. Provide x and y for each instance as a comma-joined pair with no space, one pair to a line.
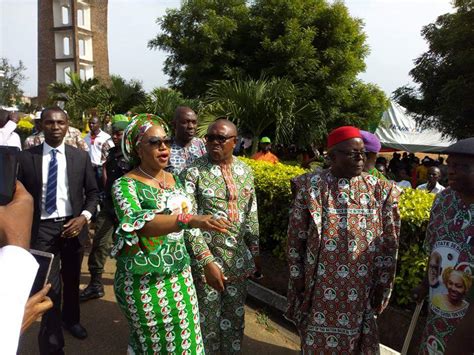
134,132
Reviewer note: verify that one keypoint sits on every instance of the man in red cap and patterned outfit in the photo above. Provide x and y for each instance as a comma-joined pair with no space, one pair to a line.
342,250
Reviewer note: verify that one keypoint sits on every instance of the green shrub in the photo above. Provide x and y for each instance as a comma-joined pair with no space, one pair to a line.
24,127
272,185
412,268
415,206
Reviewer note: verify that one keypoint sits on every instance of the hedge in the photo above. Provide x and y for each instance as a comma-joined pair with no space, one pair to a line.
272,185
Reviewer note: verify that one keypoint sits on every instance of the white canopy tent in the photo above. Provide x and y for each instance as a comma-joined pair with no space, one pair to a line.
399,130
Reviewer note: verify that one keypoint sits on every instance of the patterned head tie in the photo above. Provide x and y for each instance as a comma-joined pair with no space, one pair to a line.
134,132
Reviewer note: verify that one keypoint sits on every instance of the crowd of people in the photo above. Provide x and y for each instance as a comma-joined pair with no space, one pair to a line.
179,215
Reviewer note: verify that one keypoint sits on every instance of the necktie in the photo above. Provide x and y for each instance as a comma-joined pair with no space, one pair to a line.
50,204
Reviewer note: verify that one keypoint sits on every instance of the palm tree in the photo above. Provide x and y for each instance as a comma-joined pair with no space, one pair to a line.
82,96
76,95
263,106
163,102
125,94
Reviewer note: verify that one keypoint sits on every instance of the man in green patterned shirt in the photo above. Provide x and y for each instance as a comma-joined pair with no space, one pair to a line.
222,186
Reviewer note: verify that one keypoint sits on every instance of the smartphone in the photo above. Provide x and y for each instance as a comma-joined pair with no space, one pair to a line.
8,173
45,261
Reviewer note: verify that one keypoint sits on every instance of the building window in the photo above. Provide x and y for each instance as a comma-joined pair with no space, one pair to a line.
65,14
67,72
82,74
80,18
82,48
66,46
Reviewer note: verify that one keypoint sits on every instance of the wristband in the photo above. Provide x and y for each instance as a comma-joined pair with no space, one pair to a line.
183,220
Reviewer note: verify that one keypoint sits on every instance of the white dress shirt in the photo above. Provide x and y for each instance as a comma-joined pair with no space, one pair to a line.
95,150
438,188
64,208
18,270
8,136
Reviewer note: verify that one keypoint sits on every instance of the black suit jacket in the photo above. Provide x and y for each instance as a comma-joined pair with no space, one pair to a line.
83,191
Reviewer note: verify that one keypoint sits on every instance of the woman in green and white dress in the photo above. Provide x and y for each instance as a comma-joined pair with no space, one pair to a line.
153,283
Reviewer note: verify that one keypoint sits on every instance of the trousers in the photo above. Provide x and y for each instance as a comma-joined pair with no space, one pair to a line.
101,242
64,278
222,316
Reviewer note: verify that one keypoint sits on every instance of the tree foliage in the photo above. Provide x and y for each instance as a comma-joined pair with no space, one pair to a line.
84,96
10,82
315,44
264,106
77,96
444,97
163,102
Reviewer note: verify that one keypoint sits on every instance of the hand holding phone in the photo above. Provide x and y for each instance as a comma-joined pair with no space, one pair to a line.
36,306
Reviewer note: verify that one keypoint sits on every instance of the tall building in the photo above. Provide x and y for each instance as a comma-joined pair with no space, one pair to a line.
72,37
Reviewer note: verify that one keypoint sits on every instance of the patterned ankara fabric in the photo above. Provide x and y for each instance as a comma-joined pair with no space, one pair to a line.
181,157
342,244
153,283
450,245
230,303
377,174
73,137
228,192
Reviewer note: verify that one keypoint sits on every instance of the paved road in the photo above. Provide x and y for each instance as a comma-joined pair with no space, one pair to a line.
108,331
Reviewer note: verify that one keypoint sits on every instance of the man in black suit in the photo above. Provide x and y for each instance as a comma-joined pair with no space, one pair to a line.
61,180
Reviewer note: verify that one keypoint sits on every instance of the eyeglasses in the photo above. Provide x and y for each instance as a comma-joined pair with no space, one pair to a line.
158,141
353,154
217,138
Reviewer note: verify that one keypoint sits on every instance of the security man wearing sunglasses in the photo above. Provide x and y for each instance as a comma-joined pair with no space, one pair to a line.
223,186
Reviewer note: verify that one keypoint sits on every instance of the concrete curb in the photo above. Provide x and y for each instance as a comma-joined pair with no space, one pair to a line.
267,296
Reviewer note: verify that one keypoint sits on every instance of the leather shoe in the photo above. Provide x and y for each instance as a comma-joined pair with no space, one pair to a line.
91,292
76,330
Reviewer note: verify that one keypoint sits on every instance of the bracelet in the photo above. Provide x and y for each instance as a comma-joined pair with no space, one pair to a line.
183,220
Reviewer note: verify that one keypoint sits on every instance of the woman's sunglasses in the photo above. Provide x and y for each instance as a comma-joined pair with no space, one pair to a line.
158,141
217,138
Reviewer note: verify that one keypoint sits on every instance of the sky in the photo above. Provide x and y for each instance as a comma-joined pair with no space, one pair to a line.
392,27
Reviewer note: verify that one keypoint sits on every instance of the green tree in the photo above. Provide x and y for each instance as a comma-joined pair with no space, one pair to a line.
77,96
11,78
263,106
84,96
125,94
315,44
202,38
163,102
444,96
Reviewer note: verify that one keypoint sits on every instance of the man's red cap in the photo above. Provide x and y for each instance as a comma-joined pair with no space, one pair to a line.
342,134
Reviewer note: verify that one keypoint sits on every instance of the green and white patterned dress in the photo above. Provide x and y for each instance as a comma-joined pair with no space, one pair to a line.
153,282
